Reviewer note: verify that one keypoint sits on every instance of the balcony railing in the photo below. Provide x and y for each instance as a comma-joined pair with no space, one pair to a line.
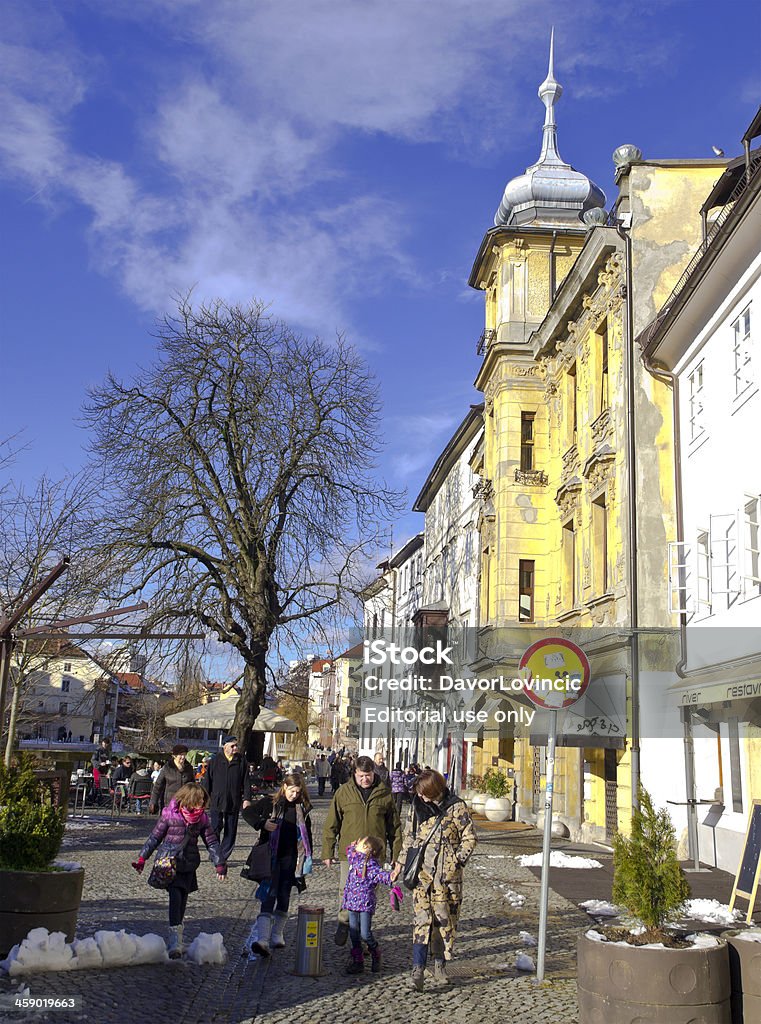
484,341
536,477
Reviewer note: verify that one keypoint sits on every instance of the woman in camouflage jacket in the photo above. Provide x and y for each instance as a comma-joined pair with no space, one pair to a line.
437,897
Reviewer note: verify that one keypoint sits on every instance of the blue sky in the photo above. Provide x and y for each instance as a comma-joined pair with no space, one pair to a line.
340,159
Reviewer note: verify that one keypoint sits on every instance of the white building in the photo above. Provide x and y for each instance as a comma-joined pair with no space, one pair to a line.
390,604
449,499
707,335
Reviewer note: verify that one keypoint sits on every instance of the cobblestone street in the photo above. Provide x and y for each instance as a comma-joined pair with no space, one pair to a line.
485,983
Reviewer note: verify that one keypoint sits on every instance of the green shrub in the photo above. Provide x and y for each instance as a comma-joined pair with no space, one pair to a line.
30,829
647,878
496,783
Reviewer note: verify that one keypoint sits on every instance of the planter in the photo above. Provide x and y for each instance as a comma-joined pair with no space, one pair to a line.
466,795
619,984
498,808
38,899
745,974
477,803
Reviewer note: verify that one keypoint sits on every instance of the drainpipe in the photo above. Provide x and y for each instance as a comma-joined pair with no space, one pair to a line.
552,266
632,518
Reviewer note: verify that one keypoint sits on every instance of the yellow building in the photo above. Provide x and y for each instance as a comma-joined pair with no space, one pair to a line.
577,466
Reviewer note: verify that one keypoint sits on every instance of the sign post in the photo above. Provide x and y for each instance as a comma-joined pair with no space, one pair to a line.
555,674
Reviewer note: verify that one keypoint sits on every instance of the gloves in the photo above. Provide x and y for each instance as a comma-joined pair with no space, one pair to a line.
221,870
396,897
138,865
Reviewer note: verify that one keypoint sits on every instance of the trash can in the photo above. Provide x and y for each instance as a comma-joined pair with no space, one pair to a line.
309,942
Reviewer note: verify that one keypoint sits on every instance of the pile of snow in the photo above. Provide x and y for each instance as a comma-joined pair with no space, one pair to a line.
42,950
751,935
595,936
495,856
527,938
557,860
524,962
207,949
711,911
515,899
703,941
600,908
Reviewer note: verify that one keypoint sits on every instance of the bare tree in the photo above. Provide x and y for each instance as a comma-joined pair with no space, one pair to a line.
240,468
40,525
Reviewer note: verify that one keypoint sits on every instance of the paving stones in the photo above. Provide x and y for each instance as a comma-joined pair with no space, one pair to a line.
486,985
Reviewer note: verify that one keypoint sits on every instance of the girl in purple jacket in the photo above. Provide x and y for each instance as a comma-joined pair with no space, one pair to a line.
178,829
359,899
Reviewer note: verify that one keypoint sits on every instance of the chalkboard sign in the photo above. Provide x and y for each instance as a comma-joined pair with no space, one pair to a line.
749,871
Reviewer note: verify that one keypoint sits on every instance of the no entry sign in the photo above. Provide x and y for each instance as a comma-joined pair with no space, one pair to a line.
555,673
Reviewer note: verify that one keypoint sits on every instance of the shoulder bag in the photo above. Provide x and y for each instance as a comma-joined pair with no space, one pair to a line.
165,864
414,861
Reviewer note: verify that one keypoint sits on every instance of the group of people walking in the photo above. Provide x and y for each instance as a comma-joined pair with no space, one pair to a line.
362,831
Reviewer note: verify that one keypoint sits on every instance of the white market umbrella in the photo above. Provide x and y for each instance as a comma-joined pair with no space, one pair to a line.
219,714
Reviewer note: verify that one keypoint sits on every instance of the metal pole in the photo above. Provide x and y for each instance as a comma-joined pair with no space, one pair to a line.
544,892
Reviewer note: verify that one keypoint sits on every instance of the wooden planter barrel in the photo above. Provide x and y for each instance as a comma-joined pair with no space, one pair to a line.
620,984
38,899
745,973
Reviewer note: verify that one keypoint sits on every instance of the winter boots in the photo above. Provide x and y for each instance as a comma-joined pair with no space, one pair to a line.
440,972
375,955
357,964
416,979
174,947
277,940
261,943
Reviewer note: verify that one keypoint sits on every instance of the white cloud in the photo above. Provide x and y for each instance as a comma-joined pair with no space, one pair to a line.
237,185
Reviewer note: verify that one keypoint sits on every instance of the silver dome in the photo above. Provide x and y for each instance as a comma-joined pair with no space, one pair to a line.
550,191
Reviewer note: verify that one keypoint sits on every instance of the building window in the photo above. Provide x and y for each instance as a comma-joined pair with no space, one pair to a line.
741,348
525,590
752,546
602,346
67,666
704,573
572,403
527,441
697,420
65,685
600,540
569,564
63,707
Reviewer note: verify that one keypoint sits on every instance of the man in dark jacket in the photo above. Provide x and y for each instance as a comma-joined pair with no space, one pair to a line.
363,806
227,782
175,774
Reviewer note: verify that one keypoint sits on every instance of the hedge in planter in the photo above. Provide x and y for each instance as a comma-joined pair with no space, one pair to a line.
35,893
619,982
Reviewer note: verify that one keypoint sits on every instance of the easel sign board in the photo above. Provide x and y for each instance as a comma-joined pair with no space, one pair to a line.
749,871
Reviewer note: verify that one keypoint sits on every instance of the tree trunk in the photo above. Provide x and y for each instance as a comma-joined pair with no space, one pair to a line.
249,704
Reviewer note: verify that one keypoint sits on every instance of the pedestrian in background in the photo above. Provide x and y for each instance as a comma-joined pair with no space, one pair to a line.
178,829
381,769
398,786
322,773
442,822
175,774
362,806
228,783
365,874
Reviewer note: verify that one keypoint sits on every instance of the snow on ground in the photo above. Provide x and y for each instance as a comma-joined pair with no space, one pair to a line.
524,962
207,949
527,939
751,935
514,898
42,950
558,859
600,908
711,911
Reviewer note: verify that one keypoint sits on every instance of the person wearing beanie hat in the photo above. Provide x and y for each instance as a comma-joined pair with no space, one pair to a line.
228,783
175,774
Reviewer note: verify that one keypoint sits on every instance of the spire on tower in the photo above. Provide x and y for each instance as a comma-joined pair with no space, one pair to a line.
550,92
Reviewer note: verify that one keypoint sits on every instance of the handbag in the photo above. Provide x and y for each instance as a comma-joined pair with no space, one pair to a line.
414,860
166,865
258,866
